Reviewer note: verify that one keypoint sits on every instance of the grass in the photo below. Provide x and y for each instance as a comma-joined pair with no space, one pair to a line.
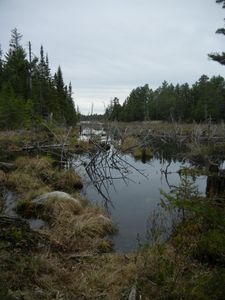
72,222
34,176
133,146
66,180
76,226
37,264
25,184
84,147
2,176
73,258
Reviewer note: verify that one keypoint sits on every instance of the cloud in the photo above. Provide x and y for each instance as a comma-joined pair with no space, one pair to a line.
107,48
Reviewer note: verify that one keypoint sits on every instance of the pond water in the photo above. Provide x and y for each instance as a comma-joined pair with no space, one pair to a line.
131,197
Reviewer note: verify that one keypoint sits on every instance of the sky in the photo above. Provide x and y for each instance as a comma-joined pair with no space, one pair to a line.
106,48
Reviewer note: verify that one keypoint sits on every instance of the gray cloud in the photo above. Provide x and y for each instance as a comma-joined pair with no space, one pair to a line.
106,48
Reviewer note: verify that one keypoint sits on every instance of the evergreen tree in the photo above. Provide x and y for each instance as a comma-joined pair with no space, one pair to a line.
205,99
70,112
1,67
16,67
28,93
219,57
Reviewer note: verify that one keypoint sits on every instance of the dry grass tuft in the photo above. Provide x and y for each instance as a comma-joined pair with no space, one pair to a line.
25,184
37,166
133,146
129,143
67,180
2,177
79,230
53,207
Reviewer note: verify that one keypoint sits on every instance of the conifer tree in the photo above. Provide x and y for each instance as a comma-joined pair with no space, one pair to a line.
219,57
28,92
16,68
1,67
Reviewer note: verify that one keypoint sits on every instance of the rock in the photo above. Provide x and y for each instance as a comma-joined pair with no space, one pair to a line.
56,196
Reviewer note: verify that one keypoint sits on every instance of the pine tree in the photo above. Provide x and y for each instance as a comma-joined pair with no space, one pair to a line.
1,68
219,57
16,67
15,39
28,92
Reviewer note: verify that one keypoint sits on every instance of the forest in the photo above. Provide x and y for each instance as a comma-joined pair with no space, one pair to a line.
112,206
29,93
202,101
184,103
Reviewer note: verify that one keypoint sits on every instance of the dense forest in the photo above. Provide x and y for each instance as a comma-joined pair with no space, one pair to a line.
28,91
205,99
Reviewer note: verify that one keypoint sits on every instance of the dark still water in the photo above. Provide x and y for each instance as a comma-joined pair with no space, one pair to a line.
130,200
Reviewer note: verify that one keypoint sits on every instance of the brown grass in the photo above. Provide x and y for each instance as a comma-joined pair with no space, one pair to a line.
74,227
2,177
25,184
66,180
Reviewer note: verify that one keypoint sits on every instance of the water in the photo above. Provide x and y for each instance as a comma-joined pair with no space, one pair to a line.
132,199
10,203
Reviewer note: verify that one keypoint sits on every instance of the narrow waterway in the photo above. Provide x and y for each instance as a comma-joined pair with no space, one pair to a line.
133,197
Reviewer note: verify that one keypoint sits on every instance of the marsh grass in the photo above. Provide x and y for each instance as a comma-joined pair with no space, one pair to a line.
74,259
84,147
76,227
133,146
34,176
66,180
3,177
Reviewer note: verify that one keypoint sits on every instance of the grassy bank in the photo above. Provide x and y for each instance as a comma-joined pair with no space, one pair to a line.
71,256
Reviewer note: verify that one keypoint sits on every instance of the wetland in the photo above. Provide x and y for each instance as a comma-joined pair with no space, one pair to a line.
127,203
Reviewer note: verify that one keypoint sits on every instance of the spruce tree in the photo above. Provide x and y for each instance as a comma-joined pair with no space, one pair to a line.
16,67
219,57
28,92
1,68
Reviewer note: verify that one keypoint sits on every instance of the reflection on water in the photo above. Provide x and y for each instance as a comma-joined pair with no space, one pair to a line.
130,190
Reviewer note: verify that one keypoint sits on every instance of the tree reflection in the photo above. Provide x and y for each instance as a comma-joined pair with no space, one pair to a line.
106,166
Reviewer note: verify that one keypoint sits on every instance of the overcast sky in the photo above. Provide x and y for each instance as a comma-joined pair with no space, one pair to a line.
108,47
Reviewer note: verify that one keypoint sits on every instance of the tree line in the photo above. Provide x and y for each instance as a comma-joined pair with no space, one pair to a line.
29,93
204,99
